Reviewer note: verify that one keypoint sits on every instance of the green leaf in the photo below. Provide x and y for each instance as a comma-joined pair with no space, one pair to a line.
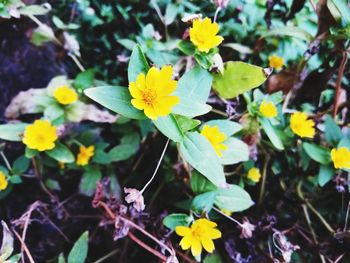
20,165
195,85
34,10
332,131
173,220
201,155
52,184
186,47
213,258
101,157
271,133
170,13
191,108
53,112
203,60
122,152
89,180
61,153
12,132
317,153
61,258
200,184
79,251
127,43
30,153
290,31
84,79
227,127
237,151
137,64
203,203
115,98
238,77
186,124
7,242
169,127
339,10
325,174
233,199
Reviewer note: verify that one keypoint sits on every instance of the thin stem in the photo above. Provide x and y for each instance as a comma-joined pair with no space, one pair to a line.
216,13
338,83
308,220
25,248
219,112
38,175
112,253
228,217
263,181
6,161
309,205
76,61
156,170
347,217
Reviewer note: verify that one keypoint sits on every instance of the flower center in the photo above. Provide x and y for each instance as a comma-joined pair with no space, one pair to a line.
149,96
40,138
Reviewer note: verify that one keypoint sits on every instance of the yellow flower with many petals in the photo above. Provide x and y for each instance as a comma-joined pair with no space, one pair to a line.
301,126
3,181
85,154
254,174
40,135
268,109
199,235
215,137
276,62
152,93
203,34
341,158
65,95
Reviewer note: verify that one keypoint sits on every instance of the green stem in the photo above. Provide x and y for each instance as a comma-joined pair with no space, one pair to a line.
263,181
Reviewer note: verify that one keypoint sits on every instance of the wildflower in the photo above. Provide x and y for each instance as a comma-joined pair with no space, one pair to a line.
215,137
65,95
85,154
268,109
276,62
203,34
199,235
341,158
134,196
151,93
254,174
247,229
301,126
40,135
3,181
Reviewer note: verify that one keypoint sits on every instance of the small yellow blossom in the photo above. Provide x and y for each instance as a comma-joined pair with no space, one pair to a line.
65,95
301,126
152,93
341,158
203,34
268,109
3,181
40,135
85,154
276,62
254,174
215,137
199,235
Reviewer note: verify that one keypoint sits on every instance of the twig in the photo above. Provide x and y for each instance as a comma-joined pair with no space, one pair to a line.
307,217
228,217
338,83
347,217
147,247
6,161
38,175
217,11
219,112
25,248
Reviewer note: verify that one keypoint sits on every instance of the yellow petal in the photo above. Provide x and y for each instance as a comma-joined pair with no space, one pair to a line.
150,113
182,230
186,242
208,244
138,104
196,247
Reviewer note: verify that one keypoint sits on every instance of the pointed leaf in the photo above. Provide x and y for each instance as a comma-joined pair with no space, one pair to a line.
137,64
234,199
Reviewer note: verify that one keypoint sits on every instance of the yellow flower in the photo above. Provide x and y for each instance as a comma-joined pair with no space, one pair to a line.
85,154
203,34
215,137
65,95
268,109
341,158
254,174
3,181
40,135
200,234
276,62
301,126
151,93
